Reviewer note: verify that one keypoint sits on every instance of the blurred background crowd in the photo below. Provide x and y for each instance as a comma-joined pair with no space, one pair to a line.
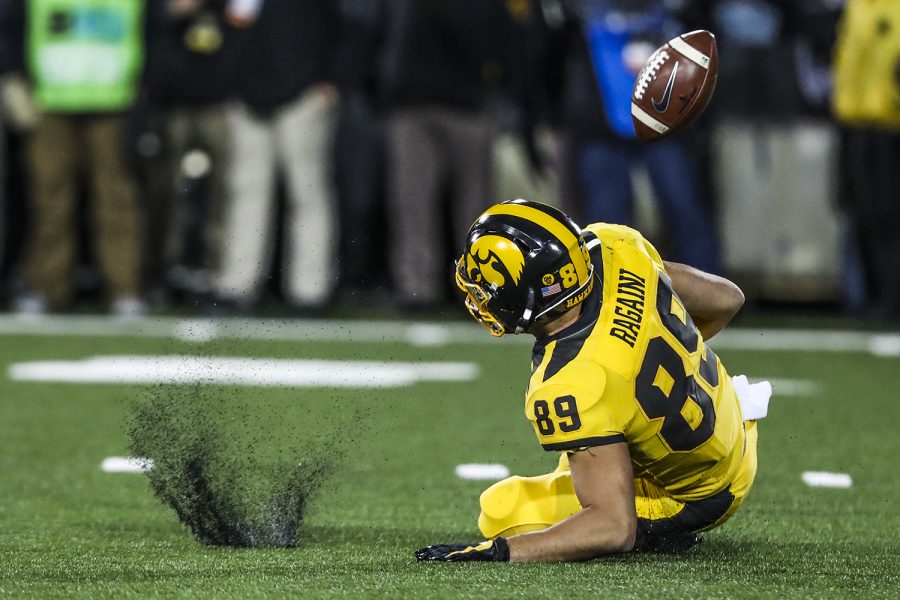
303,156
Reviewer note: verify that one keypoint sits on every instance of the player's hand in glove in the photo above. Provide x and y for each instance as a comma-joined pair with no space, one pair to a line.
491,550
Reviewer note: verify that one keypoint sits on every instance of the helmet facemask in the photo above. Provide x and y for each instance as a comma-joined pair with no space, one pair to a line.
477,299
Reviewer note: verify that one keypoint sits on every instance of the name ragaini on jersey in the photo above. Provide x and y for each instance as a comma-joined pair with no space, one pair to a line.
629,308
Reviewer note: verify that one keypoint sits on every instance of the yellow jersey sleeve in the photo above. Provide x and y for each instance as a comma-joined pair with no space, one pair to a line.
570,417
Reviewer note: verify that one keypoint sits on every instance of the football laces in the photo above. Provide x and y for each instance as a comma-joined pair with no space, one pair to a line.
649,72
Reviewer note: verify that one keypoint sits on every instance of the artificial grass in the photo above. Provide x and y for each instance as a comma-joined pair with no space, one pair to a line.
69,530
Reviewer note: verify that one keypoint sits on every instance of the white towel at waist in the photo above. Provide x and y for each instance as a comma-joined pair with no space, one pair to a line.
754,397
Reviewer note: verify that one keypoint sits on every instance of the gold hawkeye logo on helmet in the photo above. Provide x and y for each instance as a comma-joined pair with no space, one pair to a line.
494,260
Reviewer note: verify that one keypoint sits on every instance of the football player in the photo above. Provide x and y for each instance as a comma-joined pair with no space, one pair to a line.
654,446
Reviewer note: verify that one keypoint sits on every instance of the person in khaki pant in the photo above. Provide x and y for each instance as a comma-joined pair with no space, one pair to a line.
282,122
59,148
79,67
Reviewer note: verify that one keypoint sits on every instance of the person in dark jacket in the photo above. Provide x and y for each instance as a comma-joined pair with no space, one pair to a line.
185,140
283,121
602,153
10,50
442,63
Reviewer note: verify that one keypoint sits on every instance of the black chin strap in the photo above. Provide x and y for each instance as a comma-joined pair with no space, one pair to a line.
528,314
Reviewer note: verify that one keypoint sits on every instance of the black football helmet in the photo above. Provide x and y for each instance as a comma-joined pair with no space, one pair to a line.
523,261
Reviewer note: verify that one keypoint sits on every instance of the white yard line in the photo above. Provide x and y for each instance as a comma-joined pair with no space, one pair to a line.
125,464
203,330
808,340
826,479
428,334
791,387
260,372
482,471
416,333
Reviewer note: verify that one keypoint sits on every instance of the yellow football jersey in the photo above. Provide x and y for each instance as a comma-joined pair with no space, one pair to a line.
634,369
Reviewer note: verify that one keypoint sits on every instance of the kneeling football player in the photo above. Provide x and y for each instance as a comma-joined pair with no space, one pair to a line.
657,442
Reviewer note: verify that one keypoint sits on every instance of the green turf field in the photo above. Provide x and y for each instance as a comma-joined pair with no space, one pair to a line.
69,529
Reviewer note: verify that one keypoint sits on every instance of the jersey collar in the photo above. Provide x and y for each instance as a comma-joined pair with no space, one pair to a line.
590,312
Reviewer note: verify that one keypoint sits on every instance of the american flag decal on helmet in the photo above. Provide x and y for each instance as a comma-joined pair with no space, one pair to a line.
550,290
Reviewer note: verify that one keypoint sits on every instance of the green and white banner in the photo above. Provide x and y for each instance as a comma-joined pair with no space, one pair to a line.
85,55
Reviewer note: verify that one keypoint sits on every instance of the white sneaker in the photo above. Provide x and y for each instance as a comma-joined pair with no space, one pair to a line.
128,307
30,306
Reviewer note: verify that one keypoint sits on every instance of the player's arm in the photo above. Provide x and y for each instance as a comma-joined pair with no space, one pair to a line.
712,301
604,484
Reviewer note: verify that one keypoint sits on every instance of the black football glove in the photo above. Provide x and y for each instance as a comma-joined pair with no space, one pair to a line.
491,550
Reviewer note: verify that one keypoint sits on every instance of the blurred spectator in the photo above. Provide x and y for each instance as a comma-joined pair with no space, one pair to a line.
813,52
774,149
17,115
359,155
84,58
283,121
3,212
757,76
605,43
867,101
186,141
8,60
442,63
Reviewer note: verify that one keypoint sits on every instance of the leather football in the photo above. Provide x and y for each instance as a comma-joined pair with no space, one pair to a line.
675,85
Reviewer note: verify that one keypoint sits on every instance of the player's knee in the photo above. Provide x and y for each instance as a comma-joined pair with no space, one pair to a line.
505,509
522,504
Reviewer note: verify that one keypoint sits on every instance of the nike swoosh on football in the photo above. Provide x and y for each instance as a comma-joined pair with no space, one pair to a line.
661,106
